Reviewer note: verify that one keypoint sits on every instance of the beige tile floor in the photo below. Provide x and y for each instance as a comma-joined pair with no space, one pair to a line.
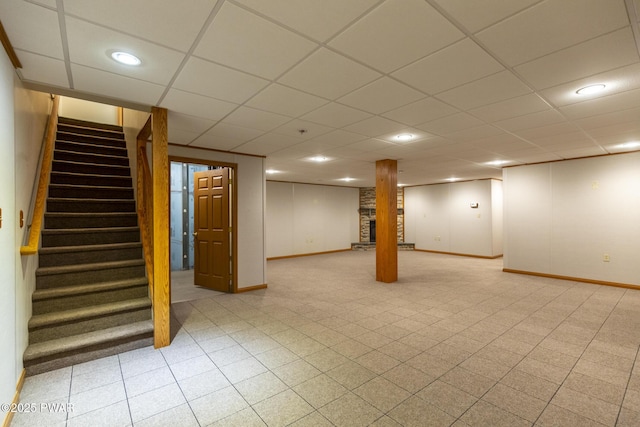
455,342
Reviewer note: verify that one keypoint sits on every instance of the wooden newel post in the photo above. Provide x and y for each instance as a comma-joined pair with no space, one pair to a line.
161,271
386,221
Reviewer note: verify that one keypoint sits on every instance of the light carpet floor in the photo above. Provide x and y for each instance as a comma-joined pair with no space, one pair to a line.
455,342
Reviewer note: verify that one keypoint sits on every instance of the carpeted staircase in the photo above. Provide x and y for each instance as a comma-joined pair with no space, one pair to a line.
91,297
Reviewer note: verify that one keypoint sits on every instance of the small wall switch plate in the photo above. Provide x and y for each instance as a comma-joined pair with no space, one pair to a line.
606,258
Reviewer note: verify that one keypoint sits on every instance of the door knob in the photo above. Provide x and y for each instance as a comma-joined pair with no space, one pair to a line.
195,234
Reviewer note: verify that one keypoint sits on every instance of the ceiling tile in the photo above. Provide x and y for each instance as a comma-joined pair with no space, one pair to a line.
335,115
450,124
186,122
555,130
245,41
197,105
603,105
339,137
267,144
92,46
224,136
412,24
328,74
550,26
181,137
283,100
183,129
115,86
504,143
375,126
206,78
475,133
603,53
32,28
497,87
42,69
452,66
369,144
614,143
51,4
310,129
318,20
580,152
166,22
535,156
533,120
629,129
421,111
381,95
609,119
256,119
619,80
316,146
514,107
478,15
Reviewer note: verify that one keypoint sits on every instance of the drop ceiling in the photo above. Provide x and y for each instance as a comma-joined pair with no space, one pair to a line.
472,81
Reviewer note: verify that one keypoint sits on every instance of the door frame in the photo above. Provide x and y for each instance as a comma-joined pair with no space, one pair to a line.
234,208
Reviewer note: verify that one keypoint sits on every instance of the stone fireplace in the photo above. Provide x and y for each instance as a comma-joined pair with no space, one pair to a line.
368,214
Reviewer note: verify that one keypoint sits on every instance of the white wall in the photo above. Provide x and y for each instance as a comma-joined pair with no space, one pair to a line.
22,120
561,218
250,179
305,219
8,282
89,111
497,221
32,111
440,218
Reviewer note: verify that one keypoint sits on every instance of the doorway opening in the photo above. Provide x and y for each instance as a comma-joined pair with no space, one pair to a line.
188,243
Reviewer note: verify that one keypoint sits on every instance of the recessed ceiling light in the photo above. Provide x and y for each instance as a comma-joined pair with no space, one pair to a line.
271,171
126,58
452,179
591,89
318,159
403,137
347,179
497,162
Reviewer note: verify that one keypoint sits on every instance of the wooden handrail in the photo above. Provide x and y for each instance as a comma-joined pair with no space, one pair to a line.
31,248
145,200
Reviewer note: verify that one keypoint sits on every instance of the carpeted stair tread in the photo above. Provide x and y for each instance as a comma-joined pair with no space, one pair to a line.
89,179
89,339
69,135
78,314
62,231
83,123
91,158
90,191
84,248
120,169
44,294
64,269
76,199
87,254
85,147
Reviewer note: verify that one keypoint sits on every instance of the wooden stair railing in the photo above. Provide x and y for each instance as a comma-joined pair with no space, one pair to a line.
153,216
31,248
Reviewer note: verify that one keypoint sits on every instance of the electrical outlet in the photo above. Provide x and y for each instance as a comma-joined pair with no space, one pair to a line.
606,258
